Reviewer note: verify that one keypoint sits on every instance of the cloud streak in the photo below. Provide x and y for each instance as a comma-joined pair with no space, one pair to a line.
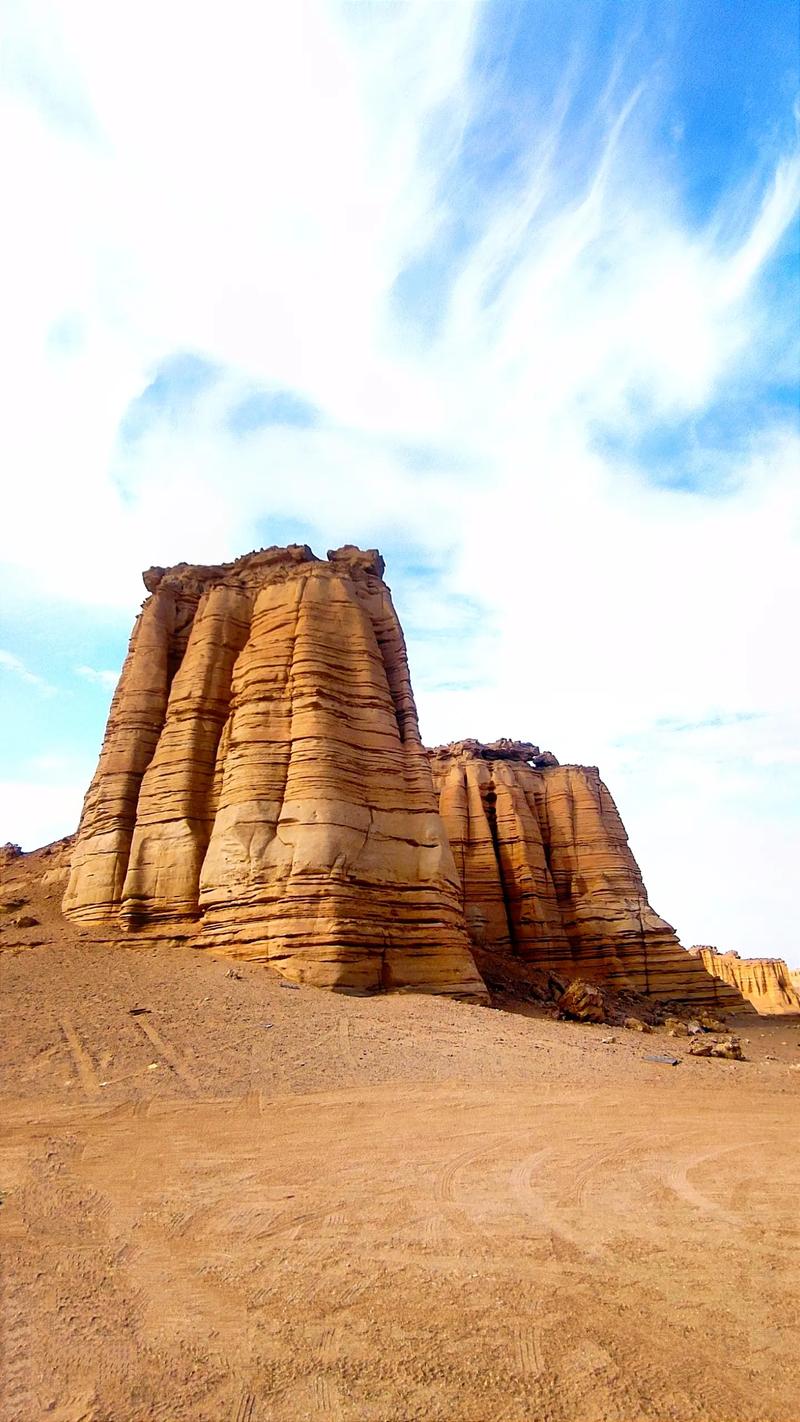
13,664
99,677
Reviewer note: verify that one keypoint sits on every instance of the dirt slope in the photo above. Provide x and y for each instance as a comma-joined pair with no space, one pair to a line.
258,1203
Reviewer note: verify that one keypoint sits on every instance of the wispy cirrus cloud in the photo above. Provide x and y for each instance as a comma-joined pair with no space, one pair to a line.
99,677
16,667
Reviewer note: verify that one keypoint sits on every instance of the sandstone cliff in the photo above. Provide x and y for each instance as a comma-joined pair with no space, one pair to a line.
765,982
548,877
262,772
262,790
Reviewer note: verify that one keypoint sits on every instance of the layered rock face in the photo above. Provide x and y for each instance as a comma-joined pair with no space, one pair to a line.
262,775
547,874
262,790
765,982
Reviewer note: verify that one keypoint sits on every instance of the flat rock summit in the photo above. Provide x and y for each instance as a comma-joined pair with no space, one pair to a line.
263,791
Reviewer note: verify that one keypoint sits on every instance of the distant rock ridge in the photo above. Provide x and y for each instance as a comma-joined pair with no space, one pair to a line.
262,790
765,982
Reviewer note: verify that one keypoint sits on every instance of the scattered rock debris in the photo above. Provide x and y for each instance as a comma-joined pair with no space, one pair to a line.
730,1049
635,1024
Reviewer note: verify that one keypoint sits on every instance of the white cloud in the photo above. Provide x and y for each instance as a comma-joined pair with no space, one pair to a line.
33,814
251,190
106,679
15,665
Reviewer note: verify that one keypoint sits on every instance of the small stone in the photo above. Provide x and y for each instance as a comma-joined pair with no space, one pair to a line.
709,1023
701,1048
635,1024
582,1002
675,1027
729,1049
26,920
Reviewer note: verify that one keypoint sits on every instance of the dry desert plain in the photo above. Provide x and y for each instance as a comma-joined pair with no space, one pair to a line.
227,1199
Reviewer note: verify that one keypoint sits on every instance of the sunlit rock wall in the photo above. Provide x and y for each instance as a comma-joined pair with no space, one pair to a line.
548,876
262,775
765,982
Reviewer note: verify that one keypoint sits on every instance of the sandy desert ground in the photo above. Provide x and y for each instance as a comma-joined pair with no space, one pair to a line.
226,1198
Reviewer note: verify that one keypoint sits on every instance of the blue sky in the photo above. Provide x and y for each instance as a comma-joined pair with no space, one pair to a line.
508,290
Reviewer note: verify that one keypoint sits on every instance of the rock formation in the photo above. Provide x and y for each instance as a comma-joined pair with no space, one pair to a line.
262,772
765,982
262,790
548,876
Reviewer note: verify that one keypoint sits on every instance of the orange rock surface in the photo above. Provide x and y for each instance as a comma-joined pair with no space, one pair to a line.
262,775
548,876
765,982
262,790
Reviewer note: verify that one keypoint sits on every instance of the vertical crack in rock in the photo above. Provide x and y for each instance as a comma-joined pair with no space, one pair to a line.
489,798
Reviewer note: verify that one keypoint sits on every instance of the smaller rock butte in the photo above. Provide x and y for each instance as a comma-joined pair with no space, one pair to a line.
262,790
548,876
764,982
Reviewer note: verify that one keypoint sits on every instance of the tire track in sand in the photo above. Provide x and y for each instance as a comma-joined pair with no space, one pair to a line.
445,1179
528,1350
168,1053
454,1210
83,1063
346,1041
326,1393
548,1216
245,1407
676,1177
326,1398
